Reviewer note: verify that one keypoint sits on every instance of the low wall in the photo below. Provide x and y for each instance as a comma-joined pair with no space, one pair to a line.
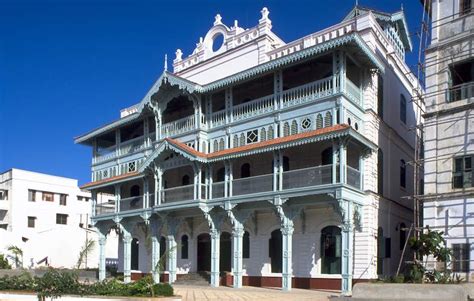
408,291
83,274
27,296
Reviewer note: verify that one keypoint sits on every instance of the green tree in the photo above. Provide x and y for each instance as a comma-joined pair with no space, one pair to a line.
87,248
16,253
4,264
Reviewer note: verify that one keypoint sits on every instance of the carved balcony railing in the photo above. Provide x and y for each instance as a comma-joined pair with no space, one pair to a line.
459,92
308,92
104,154
132,146
176,194
252,185
179,126
105,208
218,190
353,92
131,203
306,177
353,177
218,118
253,108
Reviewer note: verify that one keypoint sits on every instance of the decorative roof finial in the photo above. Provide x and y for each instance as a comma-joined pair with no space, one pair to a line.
179,55
357,2
166,62
401,6
218,19
265,13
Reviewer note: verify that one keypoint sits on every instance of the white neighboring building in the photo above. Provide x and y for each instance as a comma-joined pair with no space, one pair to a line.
449,129
46,216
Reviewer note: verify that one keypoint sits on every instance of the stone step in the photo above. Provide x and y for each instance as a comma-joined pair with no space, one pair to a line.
201,278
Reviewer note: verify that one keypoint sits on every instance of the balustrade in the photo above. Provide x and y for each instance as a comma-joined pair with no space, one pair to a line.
305,177
105,208
176,194
353,92
218,190
251,185
460,92
252,108
218,118
179,126
131,203
353,177
308,92
132,146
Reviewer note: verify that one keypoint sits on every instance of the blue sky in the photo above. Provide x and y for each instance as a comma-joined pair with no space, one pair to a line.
69,66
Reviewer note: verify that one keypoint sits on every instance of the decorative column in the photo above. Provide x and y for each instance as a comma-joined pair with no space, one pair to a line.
361,171
287,230
146,132
276,159
127,254
342,162
156,226
117,142
214,220
172,225
94,203
347,246
237,218
157,176
334,162
146,193
102,234
215,256
117,197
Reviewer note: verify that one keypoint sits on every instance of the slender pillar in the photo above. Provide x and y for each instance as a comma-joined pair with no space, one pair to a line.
117,198
127,254
237,250
347,247
287,242
94,202
102,242
146,193
172,251
361,171
342,162
334,163
155,258
215,257
276,158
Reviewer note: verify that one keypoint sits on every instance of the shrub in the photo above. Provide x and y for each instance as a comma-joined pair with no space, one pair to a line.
4,264
55,283
23,282
163,289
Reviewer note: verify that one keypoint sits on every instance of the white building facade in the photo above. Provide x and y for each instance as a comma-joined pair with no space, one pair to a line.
449,129
48,217
266,163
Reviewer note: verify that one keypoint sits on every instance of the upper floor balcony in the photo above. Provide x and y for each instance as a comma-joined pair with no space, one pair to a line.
259,176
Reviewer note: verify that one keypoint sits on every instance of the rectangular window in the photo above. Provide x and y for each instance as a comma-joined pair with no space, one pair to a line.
461,257
31,195
465,7
61,219
462,174
31,221
47,196
461,81
62,199
79,198
403,108
3,195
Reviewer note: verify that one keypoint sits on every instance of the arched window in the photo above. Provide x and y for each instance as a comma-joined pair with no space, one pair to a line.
331,250
216,146
286,129
263,134
319,121
326,156
271,133
221,144
380,171
275,251
403,108
380,96
328,119
135,190
236,141
220,175
184,247
403,174
134,254
242,139
203,149
185,180
294,127
403,235
246,245
380,250
245,170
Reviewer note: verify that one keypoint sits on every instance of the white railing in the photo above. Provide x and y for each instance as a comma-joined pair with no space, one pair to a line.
218,190
105,208
131,203
179,126
105,154
308,92
251,185
305,177
353,92
459,92
176,194
151,200
133,145
218,118
252,108
353,177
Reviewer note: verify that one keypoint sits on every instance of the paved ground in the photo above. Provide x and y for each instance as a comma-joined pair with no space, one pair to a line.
203,293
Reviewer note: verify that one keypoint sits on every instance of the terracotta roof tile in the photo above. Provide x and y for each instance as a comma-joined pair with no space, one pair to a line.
276,141
124,176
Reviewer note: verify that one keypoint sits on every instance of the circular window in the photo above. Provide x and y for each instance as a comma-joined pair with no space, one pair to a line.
306,123
217,42
356,126
349,121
